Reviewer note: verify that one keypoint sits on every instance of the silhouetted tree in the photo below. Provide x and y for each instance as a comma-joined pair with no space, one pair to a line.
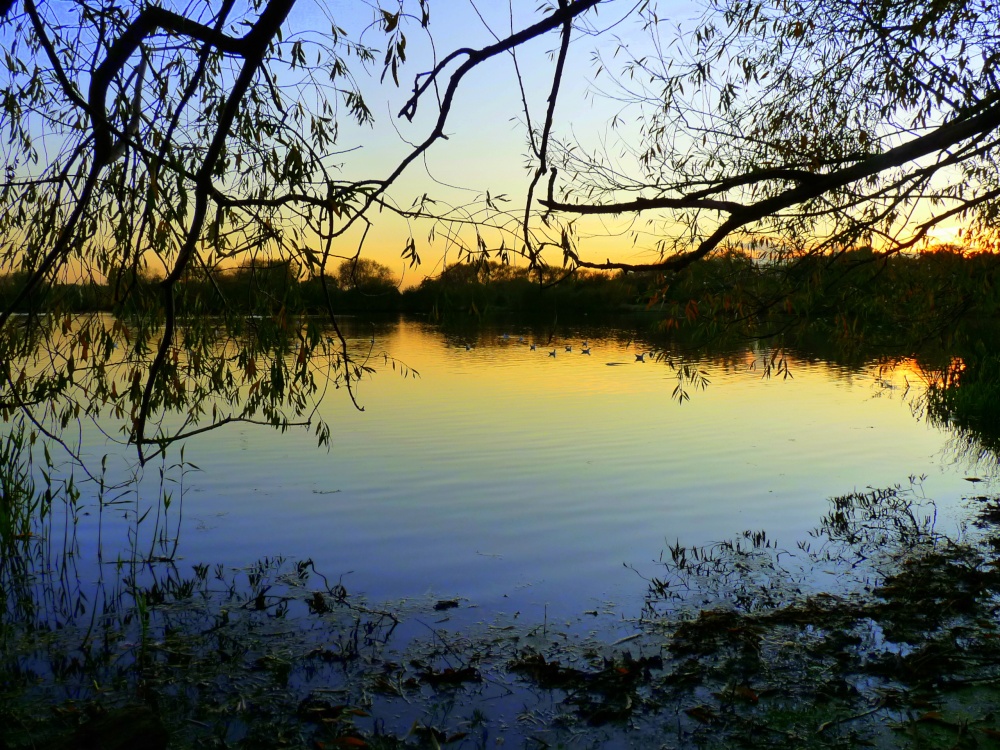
187,137
789,127
366,275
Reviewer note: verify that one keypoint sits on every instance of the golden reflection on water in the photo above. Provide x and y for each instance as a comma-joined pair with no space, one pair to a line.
519,479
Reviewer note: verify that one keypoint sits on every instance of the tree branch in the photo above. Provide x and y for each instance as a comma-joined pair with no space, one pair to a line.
475,57
258,39
147,22
938,140
546,131
68,88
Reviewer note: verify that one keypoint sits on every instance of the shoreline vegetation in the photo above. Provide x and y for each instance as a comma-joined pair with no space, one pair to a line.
853,292
139,133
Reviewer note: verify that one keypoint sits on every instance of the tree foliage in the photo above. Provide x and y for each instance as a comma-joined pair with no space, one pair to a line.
172,140
785,126
365,274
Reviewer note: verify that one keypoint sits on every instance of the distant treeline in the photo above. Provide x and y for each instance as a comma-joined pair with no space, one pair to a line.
857,295
263,288
463,290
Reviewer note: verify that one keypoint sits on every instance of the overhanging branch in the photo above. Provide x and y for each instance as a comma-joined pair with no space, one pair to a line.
939,140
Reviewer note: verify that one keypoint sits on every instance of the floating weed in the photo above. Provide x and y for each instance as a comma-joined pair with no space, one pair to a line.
736,646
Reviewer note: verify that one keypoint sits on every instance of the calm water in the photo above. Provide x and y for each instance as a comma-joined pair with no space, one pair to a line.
520,481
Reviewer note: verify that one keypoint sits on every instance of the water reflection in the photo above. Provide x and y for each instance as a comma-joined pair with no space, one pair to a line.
521,480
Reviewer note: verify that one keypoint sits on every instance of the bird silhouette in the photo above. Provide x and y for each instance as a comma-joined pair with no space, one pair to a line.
552,353
533,347
640,357
585,350
569,348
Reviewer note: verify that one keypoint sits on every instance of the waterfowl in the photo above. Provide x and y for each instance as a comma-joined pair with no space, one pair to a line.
569,348
640,357
585,350
552,353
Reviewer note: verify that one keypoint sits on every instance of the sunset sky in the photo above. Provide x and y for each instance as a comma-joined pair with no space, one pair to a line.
486,147
486,144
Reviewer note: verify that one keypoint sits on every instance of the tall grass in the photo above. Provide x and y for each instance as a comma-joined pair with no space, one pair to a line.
21,506
18,500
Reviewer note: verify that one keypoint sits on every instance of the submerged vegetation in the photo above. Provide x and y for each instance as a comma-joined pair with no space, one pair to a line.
738,643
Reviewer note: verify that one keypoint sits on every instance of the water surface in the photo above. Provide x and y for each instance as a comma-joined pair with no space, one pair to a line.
523,482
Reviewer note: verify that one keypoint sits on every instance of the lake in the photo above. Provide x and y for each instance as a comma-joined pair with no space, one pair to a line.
520,482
